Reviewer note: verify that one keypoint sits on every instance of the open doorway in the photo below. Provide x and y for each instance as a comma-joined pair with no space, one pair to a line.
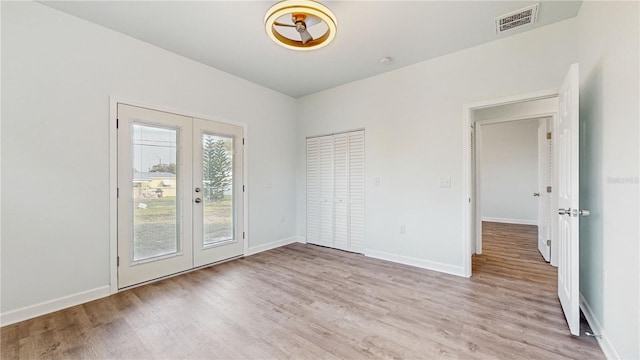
511,177
513,173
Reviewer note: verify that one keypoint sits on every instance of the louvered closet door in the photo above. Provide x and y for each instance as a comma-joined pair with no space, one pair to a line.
356,191
340,191
313,192
325,162
335,191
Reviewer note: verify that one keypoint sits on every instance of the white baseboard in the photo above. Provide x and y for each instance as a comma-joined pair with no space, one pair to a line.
29,312
510,221
604,342
421,263
301,239
272,245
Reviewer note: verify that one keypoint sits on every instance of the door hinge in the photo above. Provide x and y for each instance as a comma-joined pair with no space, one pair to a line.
242,141
548,242
243,234
118,192
549,136
242,188
117,123
118,261
548,189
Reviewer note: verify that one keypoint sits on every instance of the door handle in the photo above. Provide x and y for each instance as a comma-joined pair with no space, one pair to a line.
198,200
584,213
536,194
564,211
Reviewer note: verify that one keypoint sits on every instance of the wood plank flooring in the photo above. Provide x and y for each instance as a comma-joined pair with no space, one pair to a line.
309,302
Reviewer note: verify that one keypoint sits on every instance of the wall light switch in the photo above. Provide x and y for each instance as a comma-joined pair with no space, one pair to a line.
445,182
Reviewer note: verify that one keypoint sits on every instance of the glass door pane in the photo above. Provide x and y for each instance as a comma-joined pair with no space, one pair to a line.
154,183
217,181
218,232
155,174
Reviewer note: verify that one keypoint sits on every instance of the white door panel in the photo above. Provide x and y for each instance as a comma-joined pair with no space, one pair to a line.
154,218
217,206
568,203
356,191
313,192
325,161
340,192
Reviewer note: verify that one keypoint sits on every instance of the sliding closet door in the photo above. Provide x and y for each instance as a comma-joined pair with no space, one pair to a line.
356,191
335,191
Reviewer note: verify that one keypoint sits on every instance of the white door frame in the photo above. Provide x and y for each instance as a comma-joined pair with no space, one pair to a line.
478,181
113,175
467,120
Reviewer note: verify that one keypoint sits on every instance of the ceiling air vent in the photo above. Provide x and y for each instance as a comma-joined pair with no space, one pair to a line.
517,18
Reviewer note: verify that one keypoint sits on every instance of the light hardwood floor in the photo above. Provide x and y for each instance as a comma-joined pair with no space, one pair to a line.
304,301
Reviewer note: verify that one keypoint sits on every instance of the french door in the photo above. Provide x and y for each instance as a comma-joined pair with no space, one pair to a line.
180,193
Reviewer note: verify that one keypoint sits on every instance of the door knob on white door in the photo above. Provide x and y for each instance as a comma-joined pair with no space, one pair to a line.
584,213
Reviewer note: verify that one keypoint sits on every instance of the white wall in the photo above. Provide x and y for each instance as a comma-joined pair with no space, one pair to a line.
508,167
413,120
58,73
609,170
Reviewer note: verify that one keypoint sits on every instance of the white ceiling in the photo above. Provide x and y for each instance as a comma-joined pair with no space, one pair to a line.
230,35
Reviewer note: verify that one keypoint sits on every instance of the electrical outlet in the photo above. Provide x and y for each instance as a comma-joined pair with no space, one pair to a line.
445,182
402,229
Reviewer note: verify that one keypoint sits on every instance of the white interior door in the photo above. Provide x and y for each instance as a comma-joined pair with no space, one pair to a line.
217,192
543,195
180,193
154,175
567,156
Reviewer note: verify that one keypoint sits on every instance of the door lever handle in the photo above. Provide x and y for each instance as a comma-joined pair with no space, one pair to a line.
536,194
564,211
584,213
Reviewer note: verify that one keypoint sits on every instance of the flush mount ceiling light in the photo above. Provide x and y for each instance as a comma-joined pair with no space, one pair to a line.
300,24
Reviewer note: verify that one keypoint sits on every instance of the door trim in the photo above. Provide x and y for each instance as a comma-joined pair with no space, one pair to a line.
468,238
113,175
